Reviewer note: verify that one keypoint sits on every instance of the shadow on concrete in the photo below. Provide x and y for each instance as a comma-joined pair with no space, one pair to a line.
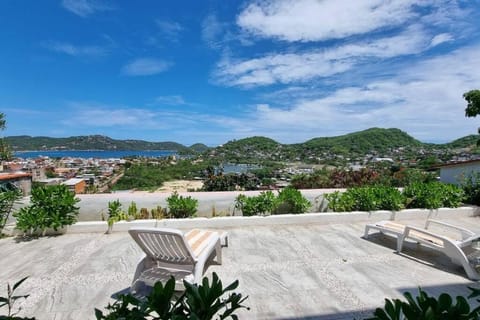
453,290
418,253
28,238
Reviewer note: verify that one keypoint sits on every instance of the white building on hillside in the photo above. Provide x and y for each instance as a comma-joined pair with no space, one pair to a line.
455,172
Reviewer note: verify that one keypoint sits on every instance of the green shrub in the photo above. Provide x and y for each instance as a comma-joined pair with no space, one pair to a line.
158,213
143,213
471,186
290,200
262,204
132,210
7,200
366,199
430,195
115,212
433,195
424,307
202,302
407,176
181,207
340,202
51,207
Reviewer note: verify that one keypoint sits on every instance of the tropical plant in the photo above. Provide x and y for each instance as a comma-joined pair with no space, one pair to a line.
5,150
132,210
290,200
115,212
425,307
230,182
9,302
264,203
143,213
401,177
51,207
158,213
471,186
7,200
366,199
203,302
180,206
433,195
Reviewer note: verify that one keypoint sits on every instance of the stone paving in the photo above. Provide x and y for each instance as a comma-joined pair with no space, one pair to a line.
289,272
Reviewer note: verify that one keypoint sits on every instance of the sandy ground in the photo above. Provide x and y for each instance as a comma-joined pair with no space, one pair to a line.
180,186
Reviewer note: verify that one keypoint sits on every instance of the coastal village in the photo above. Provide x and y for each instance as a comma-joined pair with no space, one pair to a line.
79,174
244,160
98,175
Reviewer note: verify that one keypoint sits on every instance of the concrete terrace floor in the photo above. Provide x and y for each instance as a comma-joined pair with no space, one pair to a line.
289,272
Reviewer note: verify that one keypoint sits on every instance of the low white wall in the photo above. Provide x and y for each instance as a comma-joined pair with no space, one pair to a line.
92,206
307,218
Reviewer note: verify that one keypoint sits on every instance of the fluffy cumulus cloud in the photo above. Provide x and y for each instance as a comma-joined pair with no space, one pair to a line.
314,20
423,98
145,67
364,32
302,66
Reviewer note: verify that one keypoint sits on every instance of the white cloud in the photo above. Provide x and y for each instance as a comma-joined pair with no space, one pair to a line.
145,67
174,100
314,20
212,30
292,67
424,99
75,50
441,38
84,8
169,29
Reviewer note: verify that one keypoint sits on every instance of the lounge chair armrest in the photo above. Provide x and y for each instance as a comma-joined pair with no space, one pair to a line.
463,231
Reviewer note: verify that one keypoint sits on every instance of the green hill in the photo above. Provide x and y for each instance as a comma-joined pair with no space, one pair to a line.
469,141
94,142
252,149
199,147
253,143
374,140
362,142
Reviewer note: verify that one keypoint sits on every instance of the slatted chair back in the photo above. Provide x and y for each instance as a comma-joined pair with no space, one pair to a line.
165,245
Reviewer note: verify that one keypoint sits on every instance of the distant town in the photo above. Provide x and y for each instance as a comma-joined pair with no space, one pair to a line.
266,163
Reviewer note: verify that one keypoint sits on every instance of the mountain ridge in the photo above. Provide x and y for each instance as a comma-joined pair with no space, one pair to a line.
378,139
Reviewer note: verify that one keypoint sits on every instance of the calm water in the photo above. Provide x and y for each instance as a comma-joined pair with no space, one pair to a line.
94,154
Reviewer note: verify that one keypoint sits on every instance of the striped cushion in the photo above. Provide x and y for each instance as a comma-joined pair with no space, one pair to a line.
199,239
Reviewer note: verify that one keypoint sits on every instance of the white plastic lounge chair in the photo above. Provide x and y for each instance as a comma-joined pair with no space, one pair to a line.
459,249
170,252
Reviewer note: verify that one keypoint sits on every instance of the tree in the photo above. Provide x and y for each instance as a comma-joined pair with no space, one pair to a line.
2,121
5,152
473,103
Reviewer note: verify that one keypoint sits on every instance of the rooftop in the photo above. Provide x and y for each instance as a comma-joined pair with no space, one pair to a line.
307,271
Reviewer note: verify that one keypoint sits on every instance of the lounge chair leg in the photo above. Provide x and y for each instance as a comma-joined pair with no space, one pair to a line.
367,229
400,243
218,252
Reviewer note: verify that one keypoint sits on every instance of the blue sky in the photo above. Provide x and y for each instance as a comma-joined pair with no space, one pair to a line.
212,71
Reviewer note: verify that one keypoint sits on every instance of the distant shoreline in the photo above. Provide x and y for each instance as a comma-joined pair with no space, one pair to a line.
99,154
100,150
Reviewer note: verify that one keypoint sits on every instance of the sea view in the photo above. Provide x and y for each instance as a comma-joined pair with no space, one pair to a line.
98,154
250,160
